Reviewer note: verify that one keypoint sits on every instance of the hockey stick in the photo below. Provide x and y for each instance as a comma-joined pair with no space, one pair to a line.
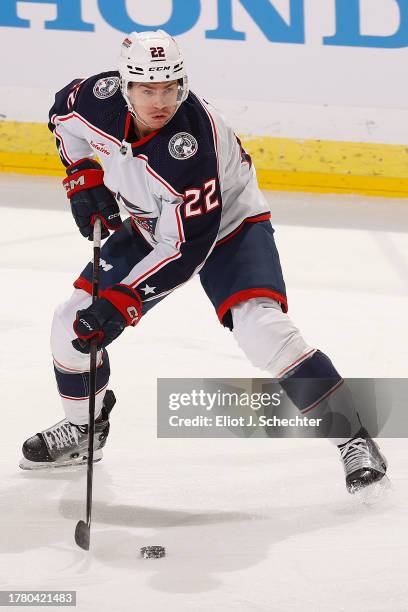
83,530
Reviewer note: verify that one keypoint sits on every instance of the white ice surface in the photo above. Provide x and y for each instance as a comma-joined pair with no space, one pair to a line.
249,524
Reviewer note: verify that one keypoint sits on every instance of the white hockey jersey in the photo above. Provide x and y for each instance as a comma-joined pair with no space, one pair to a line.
187,186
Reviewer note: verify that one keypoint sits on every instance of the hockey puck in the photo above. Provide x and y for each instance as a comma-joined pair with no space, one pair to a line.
152,552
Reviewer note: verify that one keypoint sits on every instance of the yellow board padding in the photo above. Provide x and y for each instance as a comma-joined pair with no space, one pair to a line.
282,163
28,148
31,163
329,157
30,138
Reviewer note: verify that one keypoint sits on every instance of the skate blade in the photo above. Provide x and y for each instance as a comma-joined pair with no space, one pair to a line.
26,464
375,492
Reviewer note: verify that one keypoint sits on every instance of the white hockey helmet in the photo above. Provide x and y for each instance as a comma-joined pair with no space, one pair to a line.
152,57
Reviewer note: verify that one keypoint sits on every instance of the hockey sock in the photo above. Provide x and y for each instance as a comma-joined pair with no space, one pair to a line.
317,390
74,389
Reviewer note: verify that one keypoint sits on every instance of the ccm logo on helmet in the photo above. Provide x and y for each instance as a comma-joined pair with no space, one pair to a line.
157,68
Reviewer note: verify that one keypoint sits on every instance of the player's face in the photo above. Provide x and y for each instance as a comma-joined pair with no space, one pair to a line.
155,103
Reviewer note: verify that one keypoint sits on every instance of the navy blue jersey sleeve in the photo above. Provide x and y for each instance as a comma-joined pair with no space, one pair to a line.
87,108
64,104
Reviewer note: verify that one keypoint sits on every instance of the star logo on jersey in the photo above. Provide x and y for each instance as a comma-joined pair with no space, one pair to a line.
148,289
183,145
105,88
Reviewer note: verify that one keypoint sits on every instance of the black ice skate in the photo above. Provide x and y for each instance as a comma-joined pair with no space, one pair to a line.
66,444
362,461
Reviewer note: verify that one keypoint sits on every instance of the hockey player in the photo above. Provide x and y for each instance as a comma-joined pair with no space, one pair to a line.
194,207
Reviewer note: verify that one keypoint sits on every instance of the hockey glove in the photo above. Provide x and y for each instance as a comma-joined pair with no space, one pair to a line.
118,307
90,198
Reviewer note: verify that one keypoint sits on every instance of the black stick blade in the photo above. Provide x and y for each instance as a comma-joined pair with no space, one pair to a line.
82,535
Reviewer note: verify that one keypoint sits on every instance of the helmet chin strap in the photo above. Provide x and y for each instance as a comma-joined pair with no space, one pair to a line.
138,118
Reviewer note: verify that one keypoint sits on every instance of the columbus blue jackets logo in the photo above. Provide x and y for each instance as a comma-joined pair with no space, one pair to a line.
183,146
148,224
105,88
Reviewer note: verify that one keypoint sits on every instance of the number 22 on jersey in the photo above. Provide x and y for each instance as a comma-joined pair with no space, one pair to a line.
193,198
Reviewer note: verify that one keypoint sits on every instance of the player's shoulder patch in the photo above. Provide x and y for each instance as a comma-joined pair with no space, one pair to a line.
106,87
183,146
101,103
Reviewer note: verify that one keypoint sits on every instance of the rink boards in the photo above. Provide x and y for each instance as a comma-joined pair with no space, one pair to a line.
283,164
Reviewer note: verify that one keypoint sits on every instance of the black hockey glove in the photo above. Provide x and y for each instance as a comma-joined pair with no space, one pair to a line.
90,198
118,307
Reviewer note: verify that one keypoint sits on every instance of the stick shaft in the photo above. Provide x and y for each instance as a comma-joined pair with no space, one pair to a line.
92,372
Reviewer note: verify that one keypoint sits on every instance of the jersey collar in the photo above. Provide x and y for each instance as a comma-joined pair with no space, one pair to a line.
141,141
